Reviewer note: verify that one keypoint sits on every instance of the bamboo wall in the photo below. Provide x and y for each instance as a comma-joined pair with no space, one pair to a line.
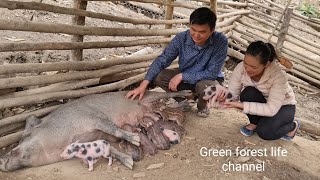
242,22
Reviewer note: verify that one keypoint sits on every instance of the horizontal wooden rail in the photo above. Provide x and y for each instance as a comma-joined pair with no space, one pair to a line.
78,12
42,98
81,30
72,65
8,47
21,117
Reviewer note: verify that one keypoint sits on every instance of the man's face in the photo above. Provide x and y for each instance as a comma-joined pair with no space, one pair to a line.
200,33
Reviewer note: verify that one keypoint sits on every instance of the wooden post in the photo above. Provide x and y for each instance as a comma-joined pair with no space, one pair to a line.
168,16
76,55
280,18
213,6
284,29
269,12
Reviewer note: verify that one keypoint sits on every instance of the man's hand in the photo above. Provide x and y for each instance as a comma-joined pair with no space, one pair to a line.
175,81
138,91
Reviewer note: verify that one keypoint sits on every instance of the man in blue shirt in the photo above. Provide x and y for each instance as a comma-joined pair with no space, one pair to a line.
202,53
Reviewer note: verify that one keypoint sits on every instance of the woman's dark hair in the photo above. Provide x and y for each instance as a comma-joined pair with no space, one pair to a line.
265,52
202,16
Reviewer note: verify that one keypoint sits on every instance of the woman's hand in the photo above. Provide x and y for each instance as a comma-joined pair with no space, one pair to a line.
238,105
221,93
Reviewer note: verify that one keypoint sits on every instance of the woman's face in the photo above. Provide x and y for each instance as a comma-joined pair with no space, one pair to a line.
200,33
253,66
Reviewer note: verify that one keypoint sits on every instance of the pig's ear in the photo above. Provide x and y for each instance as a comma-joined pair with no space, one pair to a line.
76,148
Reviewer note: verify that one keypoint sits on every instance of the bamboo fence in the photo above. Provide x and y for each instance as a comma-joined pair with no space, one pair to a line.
242,22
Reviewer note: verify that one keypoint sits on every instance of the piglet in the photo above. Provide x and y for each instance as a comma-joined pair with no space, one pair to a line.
172,135
89,152
211,94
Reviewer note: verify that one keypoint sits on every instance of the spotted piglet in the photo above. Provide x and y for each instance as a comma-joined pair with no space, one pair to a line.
89,152
210,94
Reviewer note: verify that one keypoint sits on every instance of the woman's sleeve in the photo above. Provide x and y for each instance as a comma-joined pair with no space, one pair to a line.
274,100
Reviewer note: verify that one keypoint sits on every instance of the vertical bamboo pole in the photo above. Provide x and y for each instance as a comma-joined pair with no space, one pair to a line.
279,21
269,12
76,55
214,6
169,16
284,29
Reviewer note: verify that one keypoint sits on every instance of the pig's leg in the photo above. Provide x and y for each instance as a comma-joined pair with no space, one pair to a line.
110,128
134,151
107,152
95,160
123,158
110,159
90,162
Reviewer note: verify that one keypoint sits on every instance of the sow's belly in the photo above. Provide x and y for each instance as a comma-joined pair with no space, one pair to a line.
119,109
130,116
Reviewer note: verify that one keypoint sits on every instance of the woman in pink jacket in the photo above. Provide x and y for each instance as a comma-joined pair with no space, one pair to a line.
265,95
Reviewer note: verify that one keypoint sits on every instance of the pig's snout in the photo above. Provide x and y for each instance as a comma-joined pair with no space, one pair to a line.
174,142
63,156
66,154
3,162
12,160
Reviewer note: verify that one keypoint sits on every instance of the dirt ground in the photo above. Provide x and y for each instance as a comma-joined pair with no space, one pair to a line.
220,131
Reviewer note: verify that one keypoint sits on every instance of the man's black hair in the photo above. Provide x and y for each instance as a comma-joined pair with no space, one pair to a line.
202,16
